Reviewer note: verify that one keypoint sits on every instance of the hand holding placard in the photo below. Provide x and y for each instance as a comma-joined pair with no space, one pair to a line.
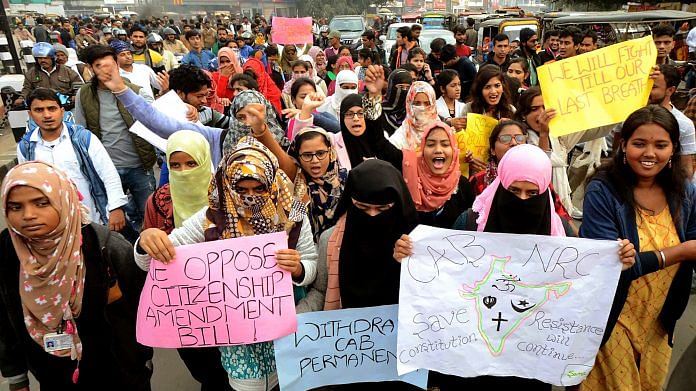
473,142
226,292
598,88
341,347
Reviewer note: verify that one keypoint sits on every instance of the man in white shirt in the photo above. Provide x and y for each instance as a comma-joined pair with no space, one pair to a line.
691,41
138,74
83,157
246,25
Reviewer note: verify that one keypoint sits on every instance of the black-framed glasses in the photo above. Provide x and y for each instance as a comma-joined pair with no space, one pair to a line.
353,115
308,156
507,138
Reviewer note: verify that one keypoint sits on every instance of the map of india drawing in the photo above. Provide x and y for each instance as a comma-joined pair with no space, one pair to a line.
503,301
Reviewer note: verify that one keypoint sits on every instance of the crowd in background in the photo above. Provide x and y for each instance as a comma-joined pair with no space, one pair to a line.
346,149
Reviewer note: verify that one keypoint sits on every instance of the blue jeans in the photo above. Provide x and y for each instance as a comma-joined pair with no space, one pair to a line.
138,184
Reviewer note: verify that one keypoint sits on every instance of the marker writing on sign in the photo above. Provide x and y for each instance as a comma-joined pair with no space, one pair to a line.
220,289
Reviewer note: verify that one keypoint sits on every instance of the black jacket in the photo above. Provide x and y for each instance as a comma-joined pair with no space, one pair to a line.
111,358
546,56
504,66
535,63
436,66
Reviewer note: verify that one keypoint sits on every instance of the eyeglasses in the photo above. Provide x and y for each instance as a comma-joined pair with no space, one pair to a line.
507,138
308,156
353,115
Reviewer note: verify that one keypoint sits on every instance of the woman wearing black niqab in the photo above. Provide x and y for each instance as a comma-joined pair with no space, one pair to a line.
354,137
394,106
375,209
368,273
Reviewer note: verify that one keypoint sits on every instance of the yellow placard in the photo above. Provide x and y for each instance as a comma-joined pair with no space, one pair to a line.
475,139
598,88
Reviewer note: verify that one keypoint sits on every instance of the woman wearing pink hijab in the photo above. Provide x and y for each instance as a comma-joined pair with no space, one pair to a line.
421,111
228,66
319,60
519,200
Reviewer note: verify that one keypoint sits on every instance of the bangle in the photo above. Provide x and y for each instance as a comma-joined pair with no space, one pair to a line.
664,260
263,132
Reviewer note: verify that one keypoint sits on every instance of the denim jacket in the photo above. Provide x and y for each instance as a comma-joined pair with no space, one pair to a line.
606,215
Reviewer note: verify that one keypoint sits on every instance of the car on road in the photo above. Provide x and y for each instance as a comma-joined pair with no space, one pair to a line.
351,28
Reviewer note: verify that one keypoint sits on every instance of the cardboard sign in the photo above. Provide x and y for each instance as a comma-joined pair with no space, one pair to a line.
292,30
598,88
226,292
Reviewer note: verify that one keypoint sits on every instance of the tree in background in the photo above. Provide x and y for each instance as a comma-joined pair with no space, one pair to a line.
323,9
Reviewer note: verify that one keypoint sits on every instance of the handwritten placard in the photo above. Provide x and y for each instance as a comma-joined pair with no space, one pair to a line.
475,139
291,30
598,88
226,292
341,347
474,303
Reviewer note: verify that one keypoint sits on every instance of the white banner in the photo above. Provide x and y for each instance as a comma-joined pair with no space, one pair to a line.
474,303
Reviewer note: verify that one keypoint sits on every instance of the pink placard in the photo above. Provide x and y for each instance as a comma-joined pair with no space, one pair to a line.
292,30
227,292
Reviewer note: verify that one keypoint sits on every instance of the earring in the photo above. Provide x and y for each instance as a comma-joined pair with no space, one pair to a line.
669,163
624,159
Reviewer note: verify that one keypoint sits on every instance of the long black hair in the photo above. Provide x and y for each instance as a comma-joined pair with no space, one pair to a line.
478,103
672,179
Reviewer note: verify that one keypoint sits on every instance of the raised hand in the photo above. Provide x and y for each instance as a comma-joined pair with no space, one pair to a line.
163,79
255,117
544,118
374,80
313,101
290,113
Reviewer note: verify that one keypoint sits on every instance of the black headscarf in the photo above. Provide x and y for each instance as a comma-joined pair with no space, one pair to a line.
368,274
513,215
358,147
395,105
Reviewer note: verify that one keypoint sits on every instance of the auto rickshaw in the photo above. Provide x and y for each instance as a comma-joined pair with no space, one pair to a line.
439,20
620,26
508,26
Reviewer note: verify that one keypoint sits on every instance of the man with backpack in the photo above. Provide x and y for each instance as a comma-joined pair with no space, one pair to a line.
73,148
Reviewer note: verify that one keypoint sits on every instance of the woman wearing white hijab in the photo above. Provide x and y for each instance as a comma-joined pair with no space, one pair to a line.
347,82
